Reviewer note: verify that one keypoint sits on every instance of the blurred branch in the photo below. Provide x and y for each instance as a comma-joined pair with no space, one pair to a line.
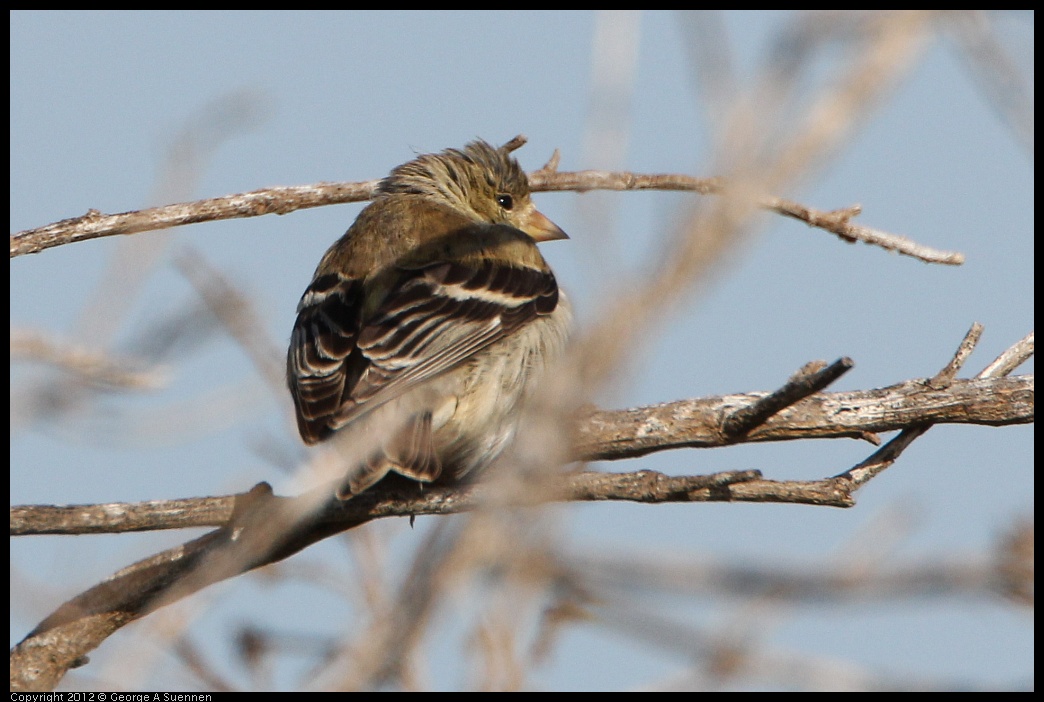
237,314
996,72
105,310
95,367
610,590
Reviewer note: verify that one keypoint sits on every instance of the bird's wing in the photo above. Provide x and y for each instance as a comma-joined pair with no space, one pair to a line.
433,318
323,358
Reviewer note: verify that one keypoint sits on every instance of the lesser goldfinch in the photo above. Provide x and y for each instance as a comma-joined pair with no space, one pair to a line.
425,325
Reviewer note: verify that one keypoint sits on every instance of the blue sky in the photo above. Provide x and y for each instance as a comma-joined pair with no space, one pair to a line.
97,99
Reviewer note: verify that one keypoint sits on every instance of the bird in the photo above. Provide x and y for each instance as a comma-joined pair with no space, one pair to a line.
430,321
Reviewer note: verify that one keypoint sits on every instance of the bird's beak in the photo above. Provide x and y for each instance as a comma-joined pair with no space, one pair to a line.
540,227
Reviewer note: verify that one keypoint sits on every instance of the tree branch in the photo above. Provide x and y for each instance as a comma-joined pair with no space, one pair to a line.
815,376
284,200
887,455
619,434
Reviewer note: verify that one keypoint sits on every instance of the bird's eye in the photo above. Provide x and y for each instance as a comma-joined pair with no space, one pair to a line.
505,201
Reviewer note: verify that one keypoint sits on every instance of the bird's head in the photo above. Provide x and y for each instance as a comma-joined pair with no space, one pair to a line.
481,181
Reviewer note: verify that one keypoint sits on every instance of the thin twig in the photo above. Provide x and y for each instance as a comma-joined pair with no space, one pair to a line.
884,457
808,381
945,377
1012,357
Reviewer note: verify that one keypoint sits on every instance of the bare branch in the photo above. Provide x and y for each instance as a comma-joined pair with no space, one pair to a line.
814,377
284,200
247,542
95,224
944,377
839,222
610,435
884,457
113,517
619,434
1013,357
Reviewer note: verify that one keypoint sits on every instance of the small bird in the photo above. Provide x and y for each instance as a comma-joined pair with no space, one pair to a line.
426,324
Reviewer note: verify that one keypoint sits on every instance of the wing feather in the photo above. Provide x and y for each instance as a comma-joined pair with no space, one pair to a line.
434,318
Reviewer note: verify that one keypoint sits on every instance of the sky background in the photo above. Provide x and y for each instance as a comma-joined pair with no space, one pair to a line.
98,99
